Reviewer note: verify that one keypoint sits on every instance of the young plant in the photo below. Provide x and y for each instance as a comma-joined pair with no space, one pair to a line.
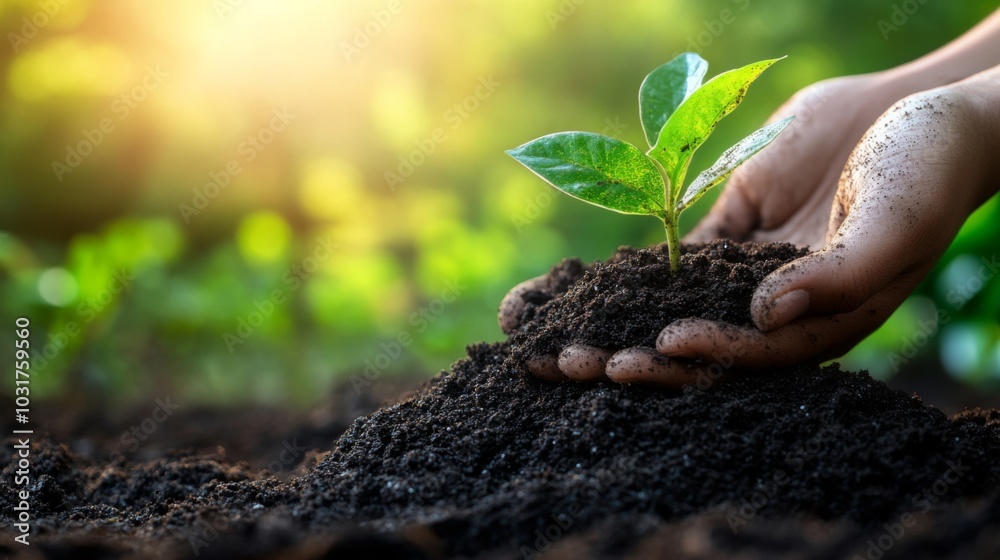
678,114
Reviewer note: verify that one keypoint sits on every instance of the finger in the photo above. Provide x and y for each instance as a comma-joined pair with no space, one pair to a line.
509,315
732,216
804,340
546,367
839,278
645,365
583,363
883,224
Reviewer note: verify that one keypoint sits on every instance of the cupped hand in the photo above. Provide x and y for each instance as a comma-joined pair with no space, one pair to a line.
906,190
785,192
882,220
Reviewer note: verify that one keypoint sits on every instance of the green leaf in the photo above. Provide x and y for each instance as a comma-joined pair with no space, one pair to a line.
665,88
596,169
730,160
696,118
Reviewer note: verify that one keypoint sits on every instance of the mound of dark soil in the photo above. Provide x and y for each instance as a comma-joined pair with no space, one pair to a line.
488,461
627,300
489,457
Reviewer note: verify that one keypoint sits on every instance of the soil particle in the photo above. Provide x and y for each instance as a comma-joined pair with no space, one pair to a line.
628,300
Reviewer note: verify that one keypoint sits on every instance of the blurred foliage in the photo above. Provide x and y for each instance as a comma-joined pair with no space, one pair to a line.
195,194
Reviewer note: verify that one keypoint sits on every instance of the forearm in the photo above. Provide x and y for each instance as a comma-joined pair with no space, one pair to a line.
982,91
971,66
976,50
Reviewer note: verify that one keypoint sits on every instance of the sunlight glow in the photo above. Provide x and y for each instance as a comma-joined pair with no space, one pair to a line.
68,67
330,188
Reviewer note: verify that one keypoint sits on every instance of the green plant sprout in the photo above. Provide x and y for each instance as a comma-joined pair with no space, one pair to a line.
678,114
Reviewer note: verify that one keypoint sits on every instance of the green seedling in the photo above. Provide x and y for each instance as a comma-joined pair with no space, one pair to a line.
678,114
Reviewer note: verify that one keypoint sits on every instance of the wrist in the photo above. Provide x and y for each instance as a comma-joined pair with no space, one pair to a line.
908,79
974,52
980,95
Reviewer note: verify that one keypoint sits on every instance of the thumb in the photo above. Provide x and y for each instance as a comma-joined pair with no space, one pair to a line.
884,237
898,205
835,280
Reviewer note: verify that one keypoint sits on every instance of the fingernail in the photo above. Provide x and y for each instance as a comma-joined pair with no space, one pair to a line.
785,309
670,342
667,345
545,367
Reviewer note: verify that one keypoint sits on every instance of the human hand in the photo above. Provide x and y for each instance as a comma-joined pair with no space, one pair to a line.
785,192
885,223
905,191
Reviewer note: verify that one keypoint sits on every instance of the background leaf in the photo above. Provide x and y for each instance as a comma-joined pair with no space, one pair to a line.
596,169
665,88
730,160
696,118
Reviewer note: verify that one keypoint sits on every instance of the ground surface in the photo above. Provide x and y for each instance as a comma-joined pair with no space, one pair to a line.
487,461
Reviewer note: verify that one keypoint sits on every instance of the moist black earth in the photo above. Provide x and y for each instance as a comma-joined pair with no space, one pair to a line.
487,461
627,300
486,456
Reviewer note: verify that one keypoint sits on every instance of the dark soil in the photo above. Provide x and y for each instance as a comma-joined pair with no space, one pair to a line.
628,300
487,461
486,456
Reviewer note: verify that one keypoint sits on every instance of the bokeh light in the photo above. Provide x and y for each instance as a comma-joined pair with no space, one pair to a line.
171,168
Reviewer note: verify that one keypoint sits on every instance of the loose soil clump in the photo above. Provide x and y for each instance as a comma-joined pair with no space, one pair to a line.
627,300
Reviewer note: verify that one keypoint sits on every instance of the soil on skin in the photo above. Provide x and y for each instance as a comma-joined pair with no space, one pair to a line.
487,461
626,301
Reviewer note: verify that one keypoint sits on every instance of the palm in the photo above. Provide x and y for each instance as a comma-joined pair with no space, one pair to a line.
786,192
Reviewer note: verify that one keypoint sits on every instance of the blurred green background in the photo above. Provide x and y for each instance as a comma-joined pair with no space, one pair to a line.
195,193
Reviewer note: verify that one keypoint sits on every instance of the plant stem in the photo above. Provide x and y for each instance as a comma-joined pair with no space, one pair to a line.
669,217
673,242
